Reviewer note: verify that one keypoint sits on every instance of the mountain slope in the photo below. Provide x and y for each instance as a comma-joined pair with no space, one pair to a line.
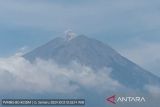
96,55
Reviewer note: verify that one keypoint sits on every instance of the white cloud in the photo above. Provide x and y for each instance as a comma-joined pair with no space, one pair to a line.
153,90
16,73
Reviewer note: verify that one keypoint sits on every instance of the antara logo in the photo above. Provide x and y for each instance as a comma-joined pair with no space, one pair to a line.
114,100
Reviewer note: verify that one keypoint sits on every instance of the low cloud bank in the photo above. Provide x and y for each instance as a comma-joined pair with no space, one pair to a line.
153,90
17,73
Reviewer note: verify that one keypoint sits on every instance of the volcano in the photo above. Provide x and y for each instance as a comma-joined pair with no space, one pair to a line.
97,55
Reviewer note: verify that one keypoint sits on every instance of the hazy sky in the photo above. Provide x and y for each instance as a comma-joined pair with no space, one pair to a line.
130,26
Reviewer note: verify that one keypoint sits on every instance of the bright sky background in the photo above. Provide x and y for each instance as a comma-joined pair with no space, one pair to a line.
132,27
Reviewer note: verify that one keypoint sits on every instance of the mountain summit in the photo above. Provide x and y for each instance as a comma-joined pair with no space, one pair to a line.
97,55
